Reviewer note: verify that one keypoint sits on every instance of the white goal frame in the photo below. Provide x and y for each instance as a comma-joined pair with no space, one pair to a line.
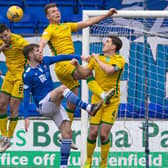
85,51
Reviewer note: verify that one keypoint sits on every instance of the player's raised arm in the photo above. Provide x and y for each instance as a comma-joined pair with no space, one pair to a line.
42,44
94,20
81,71
63,57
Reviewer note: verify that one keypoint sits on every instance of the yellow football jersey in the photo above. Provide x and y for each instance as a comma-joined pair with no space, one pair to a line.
59,37
105,80
15,60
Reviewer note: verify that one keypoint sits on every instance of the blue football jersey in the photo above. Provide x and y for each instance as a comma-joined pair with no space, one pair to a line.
38,81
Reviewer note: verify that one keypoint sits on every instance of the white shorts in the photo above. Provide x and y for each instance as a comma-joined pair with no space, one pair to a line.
49,109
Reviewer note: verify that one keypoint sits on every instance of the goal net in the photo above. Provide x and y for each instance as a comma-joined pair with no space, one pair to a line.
143,112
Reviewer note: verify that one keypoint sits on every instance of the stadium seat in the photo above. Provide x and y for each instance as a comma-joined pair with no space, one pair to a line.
66,13
76,17
11,2
64,2
3,19
27,25
91,3
42,25
35,2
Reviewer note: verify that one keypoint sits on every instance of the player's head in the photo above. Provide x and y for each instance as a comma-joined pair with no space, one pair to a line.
5,33
52,13
112,43
32,53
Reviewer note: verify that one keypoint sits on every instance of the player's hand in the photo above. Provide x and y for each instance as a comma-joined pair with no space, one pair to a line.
95,56
4,46
0,72
27,124
85,58
74,62
111,11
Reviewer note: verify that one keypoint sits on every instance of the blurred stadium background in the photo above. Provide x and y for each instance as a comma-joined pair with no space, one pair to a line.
32,25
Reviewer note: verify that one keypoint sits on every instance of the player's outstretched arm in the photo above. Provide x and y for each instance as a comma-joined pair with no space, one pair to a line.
4,46
94,20
53,59
42,44
81,71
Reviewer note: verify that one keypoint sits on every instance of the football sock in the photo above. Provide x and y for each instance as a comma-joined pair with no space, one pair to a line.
94,87
105,147
75,100
65,151
91,144
3,124
12,126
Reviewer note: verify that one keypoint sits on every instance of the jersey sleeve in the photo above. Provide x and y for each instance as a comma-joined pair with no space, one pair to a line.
74,26
90,64
27,90
47,34
23,42
51,60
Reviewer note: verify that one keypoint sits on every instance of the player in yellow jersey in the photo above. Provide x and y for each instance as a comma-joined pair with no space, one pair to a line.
12,87
58,36
108,69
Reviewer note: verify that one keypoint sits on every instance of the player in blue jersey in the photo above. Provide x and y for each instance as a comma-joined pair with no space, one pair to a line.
37,80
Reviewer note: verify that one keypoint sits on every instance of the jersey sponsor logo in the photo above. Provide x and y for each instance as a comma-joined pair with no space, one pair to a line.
42,78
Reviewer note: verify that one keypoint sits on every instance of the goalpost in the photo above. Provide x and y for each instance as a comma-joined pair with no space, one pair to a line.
144,94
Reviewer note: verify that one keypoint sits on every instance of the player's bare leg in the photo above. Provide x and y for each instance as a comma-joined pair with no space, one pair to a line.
4,101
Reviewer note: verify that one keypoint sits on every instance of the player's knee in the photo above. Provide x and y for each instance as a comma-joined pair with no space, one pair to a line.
3,106
93,134
14,112
66,130
103,138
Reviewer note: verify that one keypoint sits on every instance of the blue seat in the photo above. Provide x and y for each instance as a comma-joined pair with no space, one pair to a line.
64,2
27,25
76,17
66,13
91,3
35,2
11,2
42,25
4,19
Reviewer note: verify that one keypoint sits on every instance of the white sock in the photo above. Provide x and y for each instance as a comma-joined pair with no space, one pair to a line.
63,166
103,95
65,92
88,108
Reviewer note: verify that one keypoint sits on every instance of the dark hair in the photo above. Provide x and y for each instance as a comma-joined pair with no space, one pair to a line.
3,27
50,5
29,48
116,41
